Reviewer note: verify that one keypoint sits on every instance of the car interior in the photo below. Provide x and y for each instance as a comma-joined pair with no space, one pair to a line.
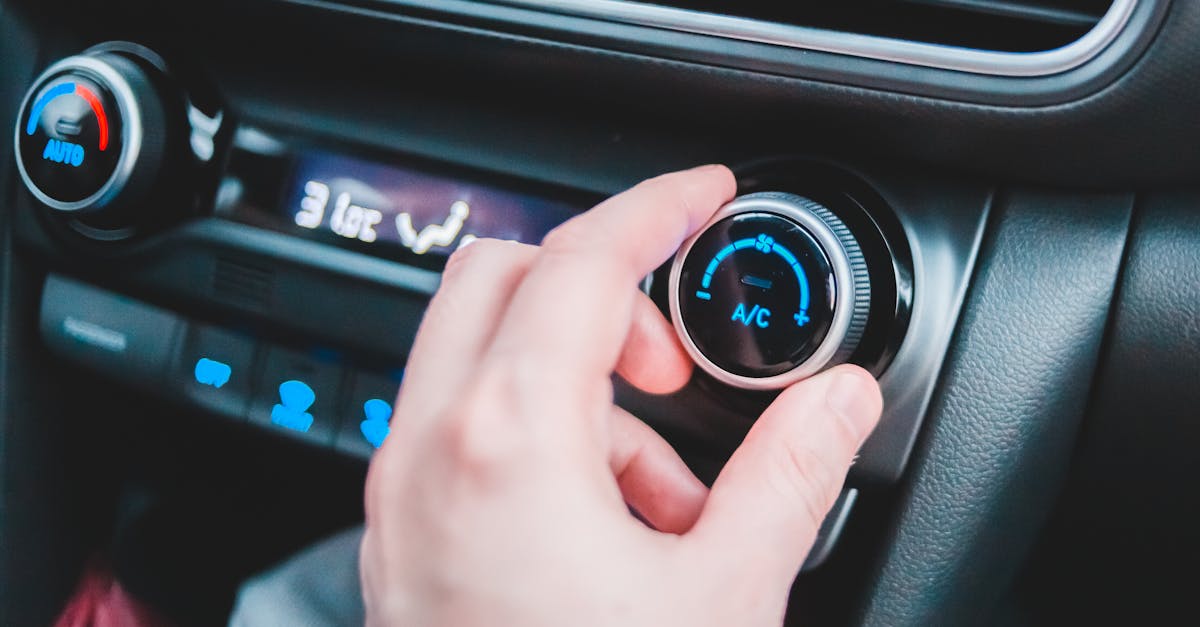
220,223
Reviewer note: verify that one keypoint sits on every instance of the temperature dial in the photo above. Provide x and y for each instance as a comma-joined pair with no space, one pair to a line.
90,134
772,290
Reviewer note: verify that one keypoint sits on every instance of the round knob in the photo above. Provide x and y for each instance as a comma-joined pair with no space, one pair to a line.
772,290
89,138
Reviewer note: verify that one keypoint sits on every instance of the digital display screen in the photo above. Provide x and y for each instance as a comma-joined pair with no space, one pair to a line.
377,205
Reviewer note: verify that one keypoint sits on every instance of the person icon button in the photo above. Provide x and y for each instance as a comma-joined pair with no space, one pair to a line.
375,428
296,394
368,410
295,399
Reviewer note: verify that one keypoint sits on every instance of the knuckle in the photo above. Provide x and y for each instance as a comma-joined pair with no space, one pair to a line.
580,243
675,200
477,254
803,474
466,439
563,239
475,435
386,472
372,494
837,435
665,180
671,188
844,437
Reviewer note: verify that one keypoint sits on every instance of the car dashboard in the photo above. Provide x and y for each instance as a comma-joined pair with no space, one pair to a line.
222,222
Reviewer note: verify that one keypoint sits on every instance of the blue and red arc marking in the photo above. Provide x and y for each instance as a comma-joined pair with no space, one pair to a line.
66,89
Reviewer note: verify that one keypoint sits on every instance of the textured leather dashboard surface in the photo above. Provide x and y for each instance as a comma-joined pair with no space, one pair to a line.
999,435
1123,546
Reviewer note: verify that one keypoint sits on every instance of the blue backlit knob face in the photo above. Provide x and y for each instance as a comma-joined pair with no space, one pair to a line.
757,294
70,137
763,295
79,135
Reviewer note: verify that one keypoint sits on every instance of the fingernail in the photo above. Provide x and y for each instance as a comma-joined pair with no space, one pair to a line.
705,168
853,401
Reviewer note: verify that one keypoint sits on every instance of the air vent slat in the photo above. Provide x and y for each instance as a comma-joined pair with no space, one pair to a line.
243,284
995,25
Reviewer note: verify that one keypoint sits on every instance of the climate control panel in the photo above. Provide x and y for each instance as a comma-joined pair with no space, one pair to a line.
260,234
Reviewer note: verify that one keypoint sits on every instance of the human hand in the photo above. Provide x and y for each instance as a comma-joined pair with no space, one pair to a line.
500,497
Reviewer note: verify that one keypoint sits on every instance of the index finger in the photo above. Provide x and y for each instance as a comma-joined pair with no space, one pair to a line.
570,316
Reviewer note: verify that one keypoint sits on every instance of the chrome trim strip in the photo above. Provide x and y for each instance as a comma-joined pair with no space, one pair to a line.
1024,64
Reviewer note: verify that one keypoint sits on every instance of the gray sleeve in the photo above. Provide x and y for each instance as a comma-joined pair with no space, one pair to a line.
319,587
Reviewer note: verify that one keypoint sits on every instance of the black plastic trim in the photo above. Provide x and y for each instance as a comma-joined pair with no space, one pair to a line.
532,26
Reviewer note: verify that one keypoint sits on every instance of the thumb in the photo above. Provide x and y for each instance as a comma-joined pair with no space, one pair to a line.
766,507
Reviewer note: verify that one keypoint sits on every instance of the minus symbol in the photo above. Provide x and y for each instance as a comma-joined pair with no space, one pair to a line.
702,295
68,128
754,281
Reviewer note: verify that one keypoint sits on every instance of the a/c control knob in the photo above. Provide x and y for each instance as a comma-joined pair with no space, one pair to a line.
89,139
772,290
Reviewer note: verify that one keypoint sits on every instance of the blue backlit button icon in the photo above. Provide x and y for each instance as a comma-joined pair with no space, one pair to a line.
296,394
212,372
212,369
295,398
367,412
375,428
